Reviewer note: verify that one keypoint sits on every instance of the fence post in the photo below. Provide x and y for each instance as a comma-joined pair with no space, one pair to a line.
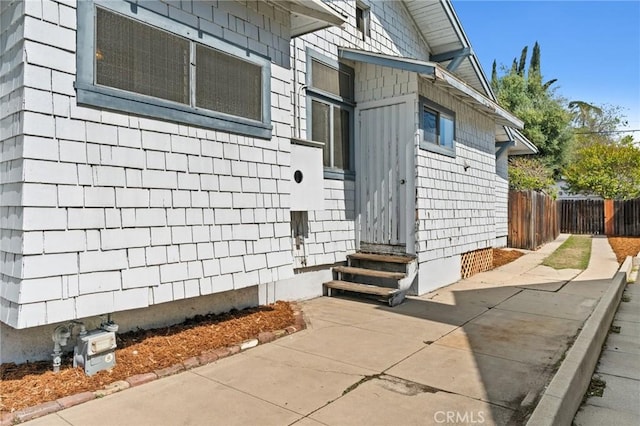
609,216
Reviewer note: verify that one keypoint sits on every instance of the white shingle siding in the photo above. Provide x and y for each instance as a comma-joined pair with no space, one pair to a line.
456,208
104,211
132,207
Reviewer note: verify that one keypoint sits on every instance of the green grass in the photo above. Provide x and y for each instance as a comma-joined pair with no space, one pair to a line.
572,254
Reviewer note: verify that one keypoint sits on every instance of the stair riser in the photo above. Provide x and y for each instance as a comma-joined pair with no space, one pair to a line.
379,266
382,282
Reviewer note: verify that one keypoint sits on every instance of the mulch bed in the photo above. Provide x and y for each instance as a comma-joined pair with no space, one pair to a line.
502,257
164,351
625,246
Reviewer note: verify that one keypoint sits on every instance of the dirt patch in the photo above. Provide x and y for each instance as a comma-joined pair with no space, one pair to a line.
138,352
625,246
502,257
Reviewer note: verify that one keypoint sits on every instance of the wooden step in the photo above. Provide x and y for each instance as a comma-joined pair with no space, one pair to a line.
389,258
362,288
368,272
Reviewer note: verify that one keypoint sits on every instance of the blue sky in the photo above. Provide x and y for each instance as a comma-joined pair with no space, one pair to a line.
591,47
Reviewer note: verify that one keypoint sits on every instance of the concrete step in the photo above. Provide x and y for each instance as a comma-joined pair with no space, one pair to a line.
368,272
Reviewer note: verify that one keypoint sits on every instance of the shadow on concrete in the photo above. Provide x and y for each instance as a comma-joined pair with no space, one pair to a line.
507,343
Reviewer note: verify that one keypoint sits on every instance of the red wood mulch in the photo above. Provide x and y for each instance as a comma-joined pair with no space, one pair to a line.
138,352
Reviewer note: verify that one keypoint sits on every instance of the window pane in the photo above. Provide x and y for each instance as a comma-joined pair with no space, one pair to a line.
341,137
320,120
430,126
446,131
331,80
227,84
138,58
360,19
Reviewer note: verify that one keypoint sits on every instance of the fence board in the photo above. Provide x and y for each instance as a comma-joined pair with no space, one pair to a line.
589,216
582,217
626,219
533,219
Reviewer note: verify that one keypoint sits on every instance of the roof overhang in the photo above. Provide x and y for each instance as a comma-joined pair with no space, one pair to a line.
442,78
522,145
310,15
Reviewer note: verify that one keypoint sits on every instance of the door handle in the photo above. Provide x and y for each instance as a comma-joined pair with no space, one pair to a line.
402,181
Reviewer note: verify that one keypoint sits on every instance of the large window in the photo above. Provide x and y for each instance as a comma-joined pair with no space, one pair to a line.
330,90
438,128
134,60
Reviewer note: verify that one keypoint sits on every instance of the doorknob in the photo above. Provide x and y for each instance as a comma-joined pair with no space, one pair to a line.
402,181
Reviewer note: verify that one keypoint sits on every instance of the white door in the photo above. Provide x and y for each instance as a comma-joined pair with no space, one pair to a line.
385,173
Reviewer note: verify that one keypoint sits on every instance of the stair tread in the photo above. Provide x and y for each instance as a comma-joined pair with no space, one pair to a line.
362,288
369,272
390,258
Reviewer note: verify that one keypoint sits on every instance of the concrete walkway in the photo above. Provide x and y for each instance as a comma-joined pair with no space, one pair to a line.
619,368
478,351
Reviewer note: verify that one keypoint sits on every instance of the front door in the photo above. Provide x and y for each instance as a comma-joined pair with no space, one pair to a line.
385,173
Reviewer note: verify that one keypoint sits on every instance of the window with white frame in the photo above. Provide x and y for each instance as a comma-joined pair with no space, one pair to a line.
330,93
138,61
437,125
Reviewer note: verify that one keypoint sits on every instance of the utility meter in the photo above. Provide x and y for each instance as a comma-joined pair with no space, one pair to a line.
95,351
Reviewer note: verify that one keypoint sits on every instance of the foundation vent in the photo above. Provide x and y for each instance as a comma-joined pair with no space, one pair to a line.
476,261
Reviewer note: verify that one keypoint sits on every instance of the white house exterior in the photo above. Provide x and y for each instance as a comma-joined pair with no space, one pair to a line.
154,180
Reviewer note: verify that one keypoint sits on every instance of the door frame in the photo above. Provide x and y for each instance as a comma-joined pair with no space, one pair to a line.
410,102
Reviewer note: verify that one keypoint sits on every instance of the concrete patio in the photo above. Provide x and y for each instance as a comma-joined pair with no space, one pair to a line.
478,351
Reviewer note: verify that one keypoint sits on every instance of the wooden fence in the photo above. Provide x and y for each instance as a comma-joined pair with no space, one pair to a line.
626,218
533,219
582,216
607,217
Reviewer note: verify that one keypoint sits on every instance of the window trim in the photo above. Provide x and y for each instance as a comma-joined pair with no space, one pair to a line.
332,99
91,94
439,110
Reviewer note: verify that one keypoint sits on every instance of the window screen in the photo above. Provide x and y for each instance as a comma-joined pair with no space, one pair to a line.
332,80
227,84
139,58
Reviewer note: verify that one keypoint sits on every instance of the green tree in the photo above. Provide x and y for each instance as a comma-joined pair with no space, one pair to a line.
608,169
530,173
547,123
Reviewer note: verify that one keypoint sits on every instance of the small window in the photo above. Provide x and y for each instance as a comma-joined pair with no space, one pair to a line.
363,20
134,60
330,113
438,128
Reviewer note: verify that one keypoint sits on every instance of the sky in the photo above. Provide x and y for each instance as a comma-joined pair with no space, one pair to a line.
591,47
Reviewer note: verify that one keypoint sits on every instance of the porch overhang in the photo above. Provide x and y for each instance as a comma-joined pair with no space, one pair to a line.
441,78
310,15
522,145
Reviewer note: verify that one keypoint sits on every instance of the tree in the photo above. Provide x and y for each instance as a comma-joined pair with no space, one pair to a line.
530,173
547,123
608,169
